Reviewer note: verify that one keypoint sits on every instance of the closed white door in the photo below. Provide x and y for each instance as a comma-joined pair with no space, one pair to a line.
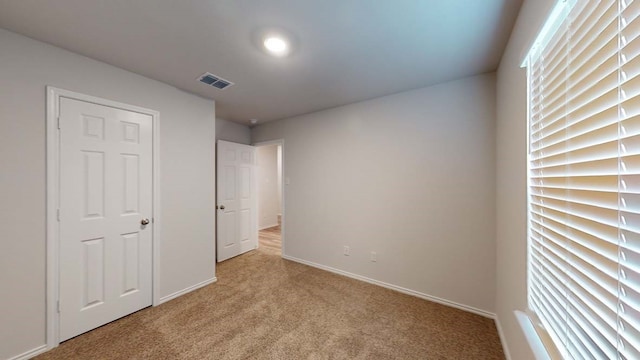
105,205
237,200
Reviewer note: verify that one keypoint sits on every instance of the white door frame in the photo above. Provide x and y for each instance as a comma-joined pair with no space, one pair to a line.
282,188
53,197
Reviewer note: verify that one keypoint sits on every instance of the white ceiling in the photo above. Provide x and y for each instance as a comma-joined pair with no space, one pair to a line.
347,50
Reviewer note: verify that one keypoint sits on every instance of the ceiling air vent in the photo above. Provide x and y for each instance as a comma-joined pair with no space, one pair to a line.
215,81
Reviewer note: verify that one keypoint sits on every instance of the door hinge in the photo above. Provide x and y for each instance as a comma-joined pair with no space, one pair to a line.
58,122
58,306
58,214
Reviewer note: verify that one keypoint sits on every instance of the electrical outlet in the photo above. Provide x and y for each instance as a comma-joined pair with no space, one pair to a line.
347,251
374,256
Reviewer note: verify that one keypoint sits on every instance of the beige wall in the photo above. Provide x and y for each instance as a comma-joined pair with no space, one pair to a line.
229,131
268,204
410,176
187,175
511,186
279,178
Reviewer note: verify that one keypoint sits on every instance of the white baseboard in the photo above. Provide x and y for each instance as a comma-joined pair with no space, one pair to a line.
31,353
268,226
176,294
503,339
394,287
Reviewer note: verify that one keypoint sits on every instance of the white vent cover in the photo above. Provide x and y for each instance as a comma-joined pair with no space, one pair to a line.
215,81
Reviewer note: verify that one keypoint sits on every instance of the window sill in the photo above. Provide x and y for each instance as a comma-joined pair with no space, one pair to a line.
541,344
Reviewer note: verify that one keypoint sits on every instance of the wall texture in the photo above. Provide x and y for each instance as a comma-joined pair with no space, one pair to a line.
511,186
234,132
187,175
410,176
268,205
279,178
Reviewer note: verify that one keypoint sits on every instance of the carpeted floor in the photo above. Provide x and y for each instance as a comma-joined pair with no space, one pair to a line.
264,307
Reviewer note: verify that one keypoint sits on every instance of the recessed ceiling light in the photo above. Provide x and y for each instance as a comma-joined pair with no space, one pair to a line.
276,45
253,121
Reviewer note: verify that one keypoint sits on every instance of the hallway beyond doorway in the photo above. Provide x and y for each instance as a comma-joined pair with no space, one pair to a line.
270,239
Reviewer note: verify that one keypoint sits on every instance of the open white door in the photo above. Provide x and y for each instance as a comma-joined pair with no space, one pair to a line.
106,188
237,200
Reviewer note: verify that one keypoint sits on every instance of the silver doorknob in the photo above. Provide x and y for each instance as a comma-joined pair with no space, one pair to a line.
222,207
144,221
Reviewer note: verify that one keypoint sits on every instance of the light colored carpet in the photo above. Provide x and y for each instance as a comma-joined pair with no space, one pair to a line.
264,307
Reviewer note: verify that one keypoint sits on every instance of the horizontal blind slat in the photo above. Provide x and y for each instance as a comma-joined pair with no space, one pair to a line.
584,181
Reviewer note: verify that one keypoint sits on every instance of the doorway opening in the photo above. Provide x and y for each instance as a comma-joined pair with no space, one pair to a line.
270,190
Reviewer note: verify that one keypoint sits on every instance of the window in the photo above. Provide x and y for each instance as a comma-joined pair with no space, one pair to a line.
584,179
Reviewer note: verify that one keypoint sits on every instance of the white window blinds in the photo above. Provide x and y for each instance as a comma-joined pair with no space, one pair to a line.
584,181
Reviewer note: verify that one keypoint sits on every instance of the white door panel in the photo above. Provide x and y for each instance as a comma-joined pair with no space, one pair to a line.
237,200
105,192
